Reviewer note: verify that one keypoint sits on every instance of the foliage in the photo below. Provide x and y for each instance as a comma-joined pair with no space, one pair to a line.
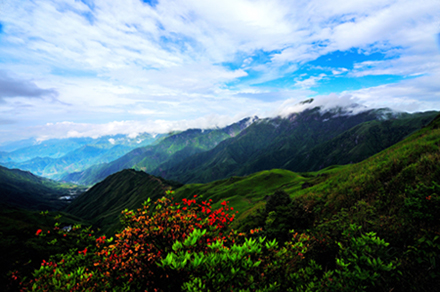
188,246
130,259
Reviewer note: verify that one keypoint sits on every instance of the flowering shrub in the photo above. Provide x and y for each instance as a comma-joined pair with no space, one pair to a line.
130,260
188,246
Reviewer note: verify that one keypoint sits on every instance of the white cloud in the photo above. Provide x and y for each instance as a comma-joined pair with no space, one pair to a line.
309,82
130,128
325,102
411,95
128,61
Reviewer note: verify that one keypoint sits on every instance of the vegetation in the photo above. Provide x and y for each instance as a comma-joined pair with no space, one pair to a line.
187,246
370,226
22,249
127,189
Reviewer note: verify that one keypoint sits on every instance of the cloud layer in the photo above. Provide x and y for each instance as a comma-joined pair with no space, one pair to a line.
101,62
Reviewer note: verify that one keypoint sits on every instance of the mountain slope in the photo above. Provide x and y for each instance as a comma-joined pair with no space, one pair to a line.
358,143
172,149
285,143
128,189
25,190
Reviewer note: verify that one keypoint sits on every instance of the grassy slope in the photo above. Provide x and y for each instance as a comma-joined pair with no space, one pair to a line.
245,194
384,178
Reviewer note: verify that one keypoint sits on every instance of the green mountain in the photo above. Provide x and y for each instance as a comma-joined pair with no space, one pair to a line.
127,189
24,190
384,180
354,145
306,141
172,149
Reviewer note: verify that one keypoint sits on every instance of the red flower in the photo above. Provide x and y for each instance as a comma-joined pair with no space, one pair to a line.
224,203
38,232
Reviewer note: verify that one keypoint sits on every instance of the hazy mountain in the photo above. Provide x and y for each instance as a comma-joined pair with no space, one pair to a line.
15,145
46,160
172,149
28,149
305,141
53,148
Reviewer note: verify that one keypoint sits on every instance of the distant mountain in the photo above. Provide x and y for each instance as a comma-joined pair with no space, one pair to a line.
24,190
11,146
25,150
53,148
171,149
305,141
128,189
49,159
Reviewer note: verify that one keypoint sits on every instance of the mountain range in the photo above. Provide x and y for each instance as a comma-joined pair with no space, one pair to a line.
171,149
307,141
55,158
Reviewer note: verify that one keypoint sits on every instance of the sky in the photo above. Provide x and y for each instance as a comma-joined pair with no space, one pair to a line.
71,68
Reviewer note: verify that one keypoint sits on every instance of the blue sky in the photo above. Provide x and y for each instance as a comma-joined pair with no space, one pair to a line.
73,68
